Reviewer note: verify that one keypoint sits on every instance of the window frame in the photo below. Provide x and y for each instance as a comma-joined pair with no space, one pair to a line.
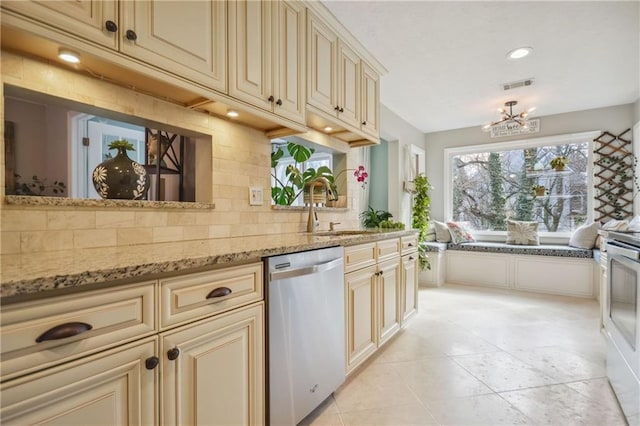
545,237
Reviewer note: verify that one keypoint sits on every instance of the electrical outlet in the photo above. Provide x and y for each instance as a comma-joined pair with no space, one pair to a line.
255,196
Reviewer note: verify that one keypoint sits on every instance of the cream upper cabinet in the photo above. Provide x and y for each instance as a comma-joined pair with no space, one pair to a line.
322,46
116,387
266,56
213,371
348,85
187,38
370,114
95,20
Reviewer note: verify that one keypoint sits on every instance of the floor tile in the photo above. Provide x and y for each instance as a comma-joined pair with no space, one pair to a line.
408,347
439,378
477,410
562,405
561,364
324,415
502,372
404,415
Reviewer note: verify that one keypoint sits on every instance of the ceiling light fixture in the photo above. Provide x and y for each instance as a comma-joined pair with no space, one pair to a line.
232,113
69,56
520,52
328,129
510,117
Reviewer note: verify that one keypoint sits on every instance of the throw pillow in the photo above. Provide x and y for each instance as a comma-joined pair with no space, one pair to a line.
585,236
522,233
431,233
442,232
460,232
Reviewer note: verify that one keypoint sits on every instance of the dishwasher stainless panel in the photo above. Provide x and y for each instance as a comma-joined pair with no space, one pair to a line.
306,331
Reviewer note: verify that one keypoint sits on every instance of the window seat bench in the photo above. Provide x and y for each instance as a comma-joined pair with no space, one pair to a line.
554,269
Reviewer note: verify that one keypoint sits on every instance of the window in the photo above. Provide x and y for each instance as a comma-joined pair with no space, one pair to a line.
317,160
488,184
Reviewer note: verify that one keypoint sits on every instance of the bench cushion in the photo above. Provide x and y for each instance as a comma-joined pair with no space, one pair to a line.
541,250
434,247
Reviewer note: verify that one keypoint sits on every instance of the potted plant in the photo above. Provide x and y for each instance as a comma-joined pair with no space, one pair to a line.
420,216
286,190
539,190
361,175
559,163
372,218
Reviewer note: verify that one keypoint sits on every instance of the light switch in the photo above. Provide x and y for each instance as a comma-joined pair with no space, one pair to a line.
255,196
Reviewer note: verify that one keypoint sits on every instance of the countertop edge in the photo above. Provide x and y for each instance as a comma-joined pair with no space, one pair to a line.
45,284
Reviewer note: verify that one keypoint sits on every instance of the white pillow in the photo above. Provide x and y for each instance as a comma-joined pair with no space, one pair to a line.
460,232
585,236
442,232
431,233
522,233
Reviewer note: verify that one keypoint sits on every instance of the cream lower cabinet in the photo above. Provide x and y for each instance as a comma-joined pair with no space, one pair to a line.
372,295
213,370
409,286
114,387
182,350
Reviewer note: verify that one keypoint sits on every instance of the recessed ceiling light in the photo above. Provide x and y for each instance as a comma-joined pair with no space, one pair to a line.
328,129
69,56
232,113
520,52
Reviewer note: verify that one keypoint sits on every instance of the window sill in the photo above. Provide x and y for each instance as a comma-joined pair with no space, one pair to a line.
26,200
306,208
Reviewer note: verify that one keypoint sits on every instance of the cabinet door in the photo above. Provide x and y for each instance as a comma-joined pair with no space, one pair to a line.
348,85
109,388
370,113
85,18
187,38
388,299
409,286
218,376
250,52
362,340
321,66
290,70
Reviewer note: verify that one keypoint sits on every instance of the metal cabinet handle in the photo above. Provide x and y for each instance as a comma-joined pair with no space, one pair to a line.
219,292
271,98
151,362
410,257
341,109
364,123
279,102
63,331
173,354
337,108
131,35
111,26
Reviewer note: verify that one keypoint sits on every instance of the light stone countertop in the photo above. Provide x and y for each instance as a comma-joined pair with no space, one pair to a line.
27,274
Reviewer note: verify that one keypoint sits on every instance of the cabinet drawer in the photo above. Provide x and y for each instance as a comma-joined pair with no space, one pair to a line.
360,256
94,320
199,295
388,249
409,244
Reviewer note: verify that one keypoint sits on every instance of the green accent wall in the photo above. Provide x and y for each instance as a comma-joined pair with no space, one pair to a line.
379,176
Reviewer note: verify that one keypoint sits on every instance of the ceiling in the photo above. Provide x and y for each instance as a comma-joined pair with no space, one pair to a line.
447,59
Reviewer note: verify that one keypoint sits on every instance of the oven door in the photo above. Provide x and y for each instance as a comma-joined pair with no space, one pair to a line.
622,321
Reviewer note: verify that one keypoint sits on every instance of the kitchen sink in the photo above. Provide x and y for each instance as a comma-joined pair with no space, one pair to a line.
343,232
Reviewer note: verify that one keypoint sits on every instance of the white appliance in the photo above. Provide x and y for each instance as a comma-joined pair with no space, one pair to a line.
622,322
306,331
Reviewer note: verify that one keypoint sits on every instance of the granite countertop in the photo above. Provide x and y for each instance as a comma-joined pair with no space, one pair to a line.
26,274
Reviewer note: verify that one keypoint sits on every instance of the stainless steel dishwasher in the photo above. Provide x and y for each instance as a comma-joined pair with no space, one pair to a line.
306,331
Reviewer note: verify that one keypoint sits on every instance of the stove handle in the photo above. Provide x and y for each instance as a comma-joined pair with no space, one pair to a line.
625,250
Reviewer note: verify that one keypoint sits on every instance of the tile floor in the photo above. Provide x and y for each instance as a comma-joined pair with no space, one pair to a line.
476,356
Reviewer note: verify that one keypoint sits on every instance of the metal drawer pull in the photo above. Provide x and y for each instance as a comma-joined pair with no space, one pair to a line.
111,26
63,331
131,35
410,244
173,354
219,292
151,362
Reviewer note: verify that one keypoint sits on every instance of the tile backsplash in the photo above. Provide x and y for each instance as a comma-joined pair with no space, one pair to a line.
240,158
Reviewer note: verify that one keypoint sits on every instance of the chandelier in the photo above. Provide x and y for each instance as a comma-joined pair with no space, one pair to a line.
509,117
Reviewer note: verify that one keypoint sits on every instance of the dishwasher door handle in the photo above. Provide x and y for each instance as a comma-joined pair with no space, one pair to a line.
307,270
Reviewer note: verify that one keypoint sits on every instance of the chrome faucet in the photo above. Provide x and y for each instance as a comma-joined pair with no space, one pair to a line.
312,222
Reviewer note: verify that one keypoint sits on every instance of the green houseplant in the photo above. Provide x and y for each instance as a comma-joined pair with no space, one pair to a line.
285,191
420,216
372,218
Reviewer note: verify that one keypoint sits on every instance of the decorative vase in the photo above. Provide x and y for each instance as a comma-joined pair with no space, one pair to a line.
540,192
121,178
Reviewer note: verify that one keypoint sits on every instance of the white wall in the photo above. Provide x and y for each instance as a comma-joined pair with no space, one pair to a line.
399,133
614,119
